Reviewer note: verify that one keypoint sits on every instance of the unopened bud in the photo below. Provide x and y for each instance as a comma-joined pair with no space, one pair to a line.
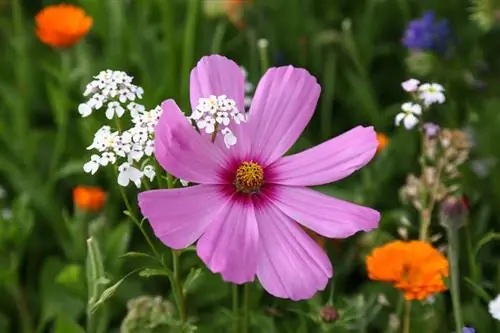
329,314
453,212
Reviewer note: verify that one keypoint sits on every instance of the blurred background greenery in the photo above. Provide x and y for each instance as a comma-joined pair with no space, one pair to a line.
355,50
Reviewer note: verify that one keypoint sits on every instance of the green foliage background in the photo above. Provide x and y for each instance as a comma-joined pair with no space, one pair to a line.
353,48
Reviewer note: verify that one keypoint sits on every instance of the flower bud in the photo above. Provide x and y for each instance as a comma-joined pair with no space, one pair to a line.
329,314
453,212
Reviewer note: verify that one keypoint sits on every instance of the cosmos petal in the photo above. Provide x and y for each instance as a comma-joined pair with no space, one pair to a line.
291,265
217,75
183,152
179,216
229,246
283,104
328,162
325,215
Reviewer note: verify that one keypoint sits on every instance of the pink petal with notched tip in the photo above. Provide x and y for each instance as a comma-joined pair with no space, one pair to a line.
290,265
183,152
325,215
229,246
180,216
328,162
283,104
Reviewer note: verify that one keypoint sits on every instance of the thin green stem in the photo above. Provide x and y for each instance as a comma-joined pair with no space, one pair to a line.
454,272
407,317
22,308
236,309
220,31
137,222
264,57
177,286
246,307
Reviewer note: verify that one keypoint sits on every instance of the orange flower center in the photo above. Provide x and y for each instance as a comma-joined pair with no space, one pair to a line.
249,177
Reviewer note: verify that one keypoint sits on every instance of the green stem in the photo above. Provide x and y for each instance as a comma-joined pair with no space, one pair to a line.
454,271
329,92
177,286
22,308
236,315
264,58
246,307
188,50
220,31
407,317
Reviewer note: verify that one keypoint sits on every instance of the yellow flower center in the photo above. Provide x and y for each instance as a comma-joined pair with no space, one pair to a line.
249,177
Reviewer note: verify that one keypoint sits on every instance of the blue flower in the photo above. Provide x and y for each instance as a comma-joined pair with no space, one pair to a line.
427,34
468,330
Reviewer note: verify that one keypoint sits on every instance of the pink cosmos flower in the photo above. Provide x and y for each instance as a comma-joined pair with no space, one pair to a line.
250,202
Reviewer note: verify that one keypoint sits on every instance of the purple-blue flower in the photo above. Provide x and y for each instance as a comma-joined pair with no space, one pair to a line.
431,130
427,34
468,330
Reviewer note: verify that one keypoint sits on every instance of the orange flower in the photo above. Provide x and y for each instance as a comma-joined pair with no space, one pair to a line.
415,267
234,11
88,199
62,25
383,141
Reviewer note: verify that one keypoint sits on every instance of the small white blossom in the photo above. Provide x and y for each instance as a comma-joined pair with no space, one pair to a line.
84,109
93,165
431,93
410,85
229,137
128,173
149,172
114,108
184,182
262,43
494,308
409,116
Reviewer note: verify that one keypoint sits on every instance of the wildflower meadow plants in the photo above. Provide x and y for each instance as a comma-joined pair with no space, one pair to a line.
249,166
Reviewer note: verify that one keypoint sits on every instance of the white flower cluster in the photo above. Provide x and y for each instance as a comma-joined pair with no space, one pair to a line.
214,114
425,94
129,148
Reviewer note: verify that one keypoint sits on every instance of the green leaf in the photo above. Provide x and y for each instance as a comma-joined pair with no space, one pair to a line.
109,292
133,254
66,325
192,279
116,245
478,290
485,240
56,300
71,277
148,272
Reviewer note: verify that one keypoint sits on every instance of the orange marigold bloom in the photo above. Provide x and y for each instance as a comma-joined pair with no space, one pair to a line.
234,11
62,25
88,198
415,267
383,141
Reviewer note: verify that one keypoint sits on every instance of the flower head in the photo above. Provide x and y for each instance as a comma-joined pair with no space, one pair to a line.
431,130
415,267
249,205
431,93
382,140
410,85
87,198
468,330
409,116
427,34
62,25
494,307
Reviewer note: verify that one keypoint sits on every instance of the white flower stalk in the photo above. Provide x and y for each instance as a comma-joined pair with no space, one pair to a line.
494,308
431,93
214,114
128,148
410,115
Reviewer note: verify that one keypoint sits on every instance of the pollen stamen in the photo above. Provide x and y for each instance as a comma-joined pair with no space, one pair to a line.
249,177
